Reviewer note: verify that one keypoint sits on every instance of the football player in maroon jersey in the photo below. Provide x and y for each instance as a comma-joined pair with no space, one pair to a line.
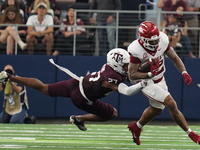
85,92
155,44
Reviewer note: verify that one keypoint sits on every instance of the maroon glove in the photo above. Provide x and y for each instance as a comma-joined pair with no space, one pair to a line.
187,78
154,65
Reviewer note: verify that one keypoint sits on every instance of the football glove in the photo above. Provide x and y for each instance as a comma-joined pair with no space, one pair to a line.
154,66
187,78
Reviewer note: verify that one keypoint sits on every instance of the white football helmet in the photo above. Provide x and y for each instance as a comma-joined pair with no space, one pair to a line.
149,34
116,58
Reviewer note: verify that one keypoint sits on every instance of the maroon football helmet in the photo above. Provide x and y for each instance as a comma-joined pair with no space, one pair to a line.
149,34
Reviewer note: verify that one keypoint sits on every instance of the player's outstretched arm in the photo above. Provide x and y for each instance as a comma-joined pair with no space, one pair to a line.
127,90
134,89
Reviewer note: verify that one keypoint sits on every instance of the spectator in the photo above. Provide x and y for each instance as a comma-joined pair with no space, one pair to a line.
15,101
172,5
192,20
177,35
187,47
65,41
22,2
178,5
160,4
173,32
7,3
105,19
8,35
49,10
30,4
56,9
40,28
52,9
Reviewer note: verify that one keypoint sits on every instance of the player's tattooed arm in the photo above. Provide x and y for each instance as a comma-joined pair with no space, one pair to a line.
134,73
176,60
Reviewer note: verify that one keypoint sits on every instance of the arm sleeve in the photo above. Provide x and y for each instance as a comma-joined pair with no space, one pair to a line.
129,90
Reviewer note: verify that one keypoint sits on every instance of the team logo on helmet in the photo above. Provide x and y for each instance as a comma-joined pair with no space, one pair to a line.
141,30
117,57
149,35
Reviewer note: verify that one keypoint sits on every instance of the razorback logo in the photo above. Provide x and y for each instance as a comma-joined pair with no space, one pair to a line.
141,30
117,57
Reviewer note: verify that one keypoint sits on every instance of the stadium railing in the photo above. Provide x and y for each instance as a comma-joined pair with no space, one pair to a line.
126,26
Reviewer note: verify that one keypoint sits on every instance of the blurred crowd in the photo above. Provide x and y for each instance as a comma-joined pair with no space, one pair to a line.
185,39
41,15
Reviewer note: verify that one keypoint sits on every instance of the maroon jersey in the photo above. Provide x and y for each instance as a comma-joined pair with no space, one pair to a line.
92,82
92,89
67,26
173,28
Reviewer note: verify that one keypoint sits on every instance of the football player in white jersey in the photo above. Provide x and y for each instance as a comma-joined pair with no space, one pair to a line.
154,44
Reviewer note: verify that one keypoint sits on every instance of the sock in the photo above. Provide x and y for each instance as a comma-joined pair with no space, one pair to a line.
188,131
21,42
139,125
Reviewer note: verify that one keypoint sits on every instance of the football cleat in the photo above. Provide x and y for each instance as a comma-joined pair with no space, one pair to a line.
194,137
79,124
3,76
136,131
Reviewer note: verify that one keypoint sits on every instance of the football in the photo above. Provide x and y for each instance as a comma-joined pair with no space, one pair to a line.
144,66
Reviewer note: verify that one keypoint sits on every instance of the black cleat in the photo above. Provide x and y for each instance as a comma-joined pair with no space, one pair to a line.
79,124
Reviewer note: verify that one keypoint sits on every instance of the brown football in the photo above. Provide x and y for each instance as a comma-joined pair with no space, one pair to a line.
144,66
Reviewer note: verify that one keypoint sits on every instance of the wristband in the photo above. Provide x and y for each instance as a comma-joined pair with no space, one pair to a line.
184,72
150,74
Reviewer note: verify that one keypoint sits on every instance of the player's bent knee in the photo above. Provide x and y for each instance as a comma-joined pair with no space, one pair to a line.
170,103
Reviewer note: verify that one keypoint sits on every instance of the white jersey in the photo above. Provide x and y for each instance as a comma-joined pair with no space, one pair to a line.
156,93
140,53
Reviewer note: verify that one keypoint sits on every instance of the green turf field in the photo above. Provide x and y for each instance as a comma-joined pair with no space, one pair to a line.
97,137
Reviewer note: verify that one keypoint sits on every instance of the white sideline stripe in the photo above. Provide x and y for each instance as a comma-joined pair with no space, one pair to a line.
50,136
90,130
23,138
96,139
130,144
13,146
99,148
102,135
